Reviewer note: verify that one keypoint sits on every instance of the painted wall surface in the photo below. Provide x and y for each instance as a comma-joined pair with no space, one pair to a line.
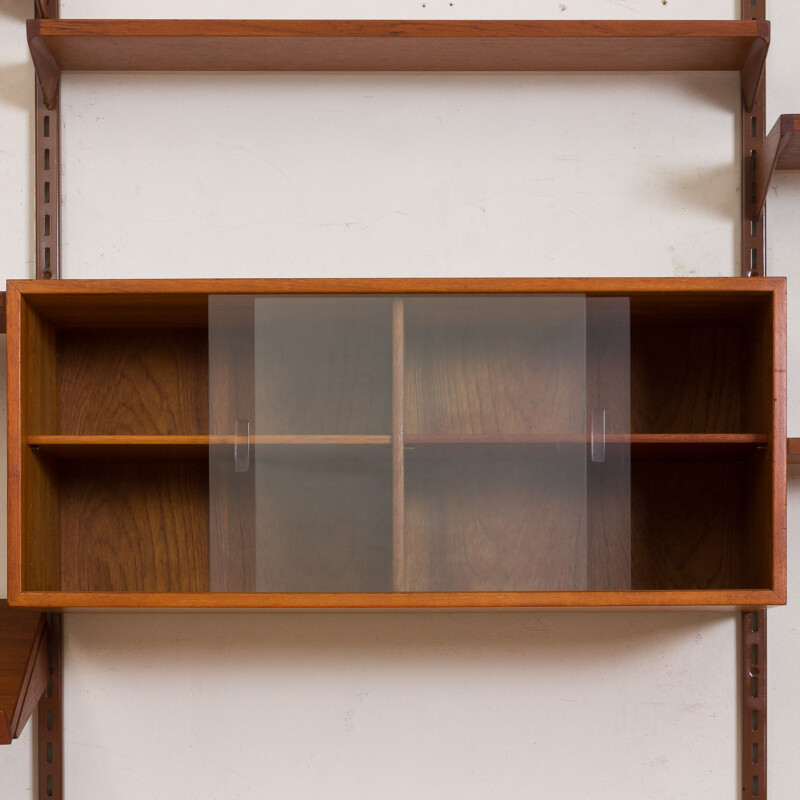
387,175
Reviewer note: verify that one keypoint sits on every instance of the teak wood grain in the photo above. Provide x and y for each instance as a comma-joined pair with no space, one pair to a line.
687,379
673,546
494,365
402,601
133,381
24,667
400,508
134,527
494,518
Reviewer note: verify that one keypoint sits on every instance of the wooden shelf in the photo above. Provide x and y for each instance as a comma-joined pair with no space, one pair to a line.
690,446
196,448
580,438
385,45
190,448
24,667
781,150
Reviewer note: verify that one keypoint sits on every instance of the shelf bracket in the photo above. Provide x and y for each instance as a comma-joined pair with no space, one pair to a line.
780,150
47,154
50,737
754,218
754,704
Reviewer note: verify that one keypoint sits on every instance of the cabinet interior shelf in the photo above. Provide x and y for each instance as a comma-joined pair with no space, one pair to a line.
198,448
391,45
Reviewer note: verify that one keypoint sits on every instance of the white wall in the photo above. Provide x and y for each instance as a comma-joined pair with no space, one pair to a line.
253,175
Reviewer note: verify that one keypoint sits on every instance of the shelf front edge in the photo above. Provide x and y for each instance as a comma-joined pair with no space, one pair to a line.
403,601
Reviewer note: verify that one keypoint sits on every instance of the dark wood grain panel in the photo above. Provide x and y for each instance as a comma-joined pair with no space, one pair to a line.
23,667
495,365
323,365
320,45
686,379
323,519
495,518
689,525
134,381
134,527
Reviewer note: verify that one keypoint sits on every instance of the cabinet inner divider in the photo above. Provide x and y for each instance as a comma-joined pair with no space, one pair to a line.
398,454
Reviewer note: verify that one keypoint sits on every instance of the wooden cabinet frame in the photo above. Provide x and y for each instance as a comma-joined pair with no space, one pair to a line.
44,316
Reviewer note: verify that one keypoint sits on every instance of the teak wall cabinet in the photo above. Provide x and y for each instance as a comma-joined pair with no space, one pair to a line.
397,443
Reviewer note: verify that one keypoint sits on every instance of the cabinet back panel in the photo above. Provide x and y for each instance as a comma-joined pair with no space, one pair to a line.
495,365
323,518
495,518
686,379
134,381
323,365
134,527
689,523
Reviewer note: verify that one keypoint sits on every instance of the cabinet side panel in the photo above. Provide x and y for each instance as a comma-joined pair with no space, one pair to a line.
231,387
39,402
765,409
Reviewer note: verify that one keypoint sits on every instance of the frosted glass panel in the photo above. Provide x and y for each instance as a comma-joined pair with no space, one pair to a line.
446,443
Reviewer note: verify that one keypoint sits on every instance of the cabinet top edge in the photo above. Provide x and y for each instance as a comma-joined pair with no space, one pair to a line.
192,286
